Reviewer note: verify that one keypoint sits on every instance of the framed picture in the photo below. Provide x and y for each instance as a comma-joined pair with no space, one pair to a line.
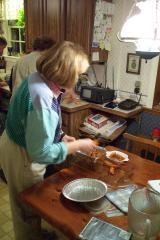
133,63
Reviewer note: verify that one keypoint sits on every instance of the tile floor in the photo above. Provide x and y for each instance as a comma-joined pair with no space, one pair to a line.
6,226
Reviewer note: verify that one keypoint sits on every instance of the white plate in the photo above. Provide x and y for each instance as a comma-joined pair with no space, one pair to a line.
125,156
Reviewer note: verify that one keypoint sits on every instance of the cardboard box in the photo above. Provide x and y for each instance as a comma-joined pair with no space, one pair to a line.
97,120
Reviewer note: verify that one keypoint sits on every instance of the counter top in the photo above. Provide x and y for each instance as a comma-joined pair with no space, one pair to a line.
74,105
81,104
117,111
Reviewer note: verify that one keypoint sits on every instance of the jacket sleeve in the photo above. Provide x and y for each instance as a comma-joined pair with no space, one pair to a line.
40,132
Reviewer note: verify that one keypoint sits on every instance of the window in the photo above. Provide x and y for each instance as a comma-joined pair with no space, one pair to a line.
14,24
12,8
17,40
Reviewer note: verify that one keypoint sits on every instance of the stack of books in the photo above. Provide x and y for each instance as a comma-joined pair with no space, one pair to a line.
97,120
99,124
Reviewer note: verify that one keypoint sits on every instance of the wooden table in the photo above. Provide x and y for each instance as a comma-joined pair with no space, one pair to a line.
70,217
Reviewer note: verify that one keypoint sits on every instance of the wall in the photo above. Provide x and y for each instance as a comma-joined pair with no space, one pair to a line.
125,82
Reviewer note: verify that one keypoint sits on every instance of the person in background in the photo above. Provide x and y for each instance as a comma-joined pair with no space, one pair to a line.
27,63
3,44
33,134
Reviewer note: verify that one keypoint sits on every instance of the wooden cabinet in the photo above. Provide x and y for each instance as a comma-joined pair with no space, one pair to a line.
60,19
54,19
33,21
73,116
156,99
79,22
71,121
44,17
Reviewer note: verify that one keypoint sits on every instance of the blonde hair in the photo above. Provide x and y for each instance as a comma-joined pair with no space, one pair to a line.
62,63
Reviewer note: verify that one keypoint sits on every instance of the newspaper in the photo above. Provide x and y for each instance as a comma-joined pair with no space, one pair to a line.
107,129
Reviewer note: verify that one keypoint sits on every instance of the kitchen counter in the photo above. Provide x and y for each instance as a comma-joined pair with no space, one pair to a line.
81,104
75,112
74,105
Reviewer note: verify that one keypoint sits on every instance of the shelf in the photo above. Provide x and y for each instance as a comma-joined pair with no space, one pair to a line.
17,41
87,133
16,27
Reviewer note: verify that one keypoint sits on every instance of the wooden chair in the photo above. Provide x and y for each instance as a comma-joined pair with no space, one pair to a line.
142,146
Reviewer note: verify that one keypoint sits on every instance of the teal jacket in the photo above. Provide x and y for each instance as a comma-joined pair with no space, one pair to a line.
34,121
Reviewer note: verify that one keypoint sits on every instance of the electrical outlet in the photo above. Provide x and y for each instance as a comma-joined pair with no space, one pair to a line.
137,87
137,90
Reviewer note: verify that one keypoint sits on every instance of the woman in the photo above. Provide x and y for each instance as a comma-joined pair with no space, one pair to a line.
33,135
27,63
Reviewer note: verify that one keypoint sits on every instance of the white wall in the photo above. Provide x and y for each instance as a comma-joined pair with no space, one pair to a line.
118,60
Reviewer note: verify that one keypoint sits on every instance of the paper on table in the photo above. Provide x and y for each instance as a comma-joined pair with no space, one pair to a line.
120,197
154,185
101,230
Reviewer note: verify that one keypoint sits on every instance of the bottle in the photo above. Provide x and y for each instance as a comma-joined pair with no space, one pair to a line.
155,134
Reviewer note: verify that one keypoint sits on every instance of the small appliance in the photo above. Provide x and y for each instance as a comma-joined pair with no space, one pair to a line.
97,94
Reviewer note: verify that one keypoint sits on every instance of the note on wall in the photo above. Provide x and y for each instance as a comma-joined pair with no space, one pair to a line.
95,56
103,24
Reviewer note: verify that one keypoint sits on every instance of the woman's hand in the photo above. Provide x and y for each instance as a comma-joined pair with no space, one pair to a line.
68,139
85,145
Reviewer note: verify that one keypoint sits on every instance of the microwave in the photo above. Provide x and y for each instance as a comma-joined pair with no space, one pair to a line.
97,94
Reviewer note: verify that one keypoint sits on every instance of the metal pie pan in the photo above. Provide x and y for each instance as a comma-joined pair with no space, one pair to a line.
84,190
